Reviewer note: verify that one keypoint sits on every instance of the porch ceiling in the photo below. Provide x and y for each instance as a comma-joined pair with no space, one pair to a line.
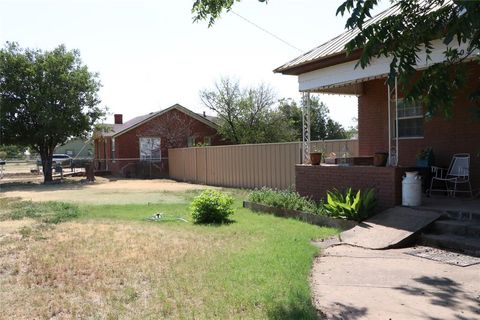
343,78
355,89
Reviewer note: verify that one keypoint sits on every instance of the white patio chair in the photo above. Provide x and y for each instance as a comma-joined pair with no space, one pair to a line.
458,173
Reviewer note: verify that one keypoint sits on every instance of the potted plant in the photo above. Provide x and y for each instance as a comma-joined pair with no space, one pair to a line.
315,158
424,157
317,154
380,159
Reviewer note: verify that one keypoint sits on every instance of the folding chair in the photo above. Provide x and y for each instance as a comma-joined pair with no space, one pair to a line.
458,173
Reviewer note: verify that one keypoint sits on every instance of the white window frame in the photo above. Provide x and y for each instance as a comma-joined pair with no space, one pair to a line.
418,116
207,140
190,141
113,149
150,158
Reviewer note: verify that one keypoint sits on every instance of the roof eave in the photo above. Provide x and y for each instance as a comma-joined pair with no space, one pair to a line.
177,106
319,63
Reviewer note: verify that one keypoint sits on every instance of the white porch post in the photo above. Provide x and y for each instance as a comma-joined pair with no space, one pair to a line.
397,154
306,127
389,106
392,151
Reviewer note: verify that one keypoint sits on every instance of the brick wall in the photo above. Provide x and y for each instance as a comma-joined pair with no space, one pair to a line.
457,135
315,181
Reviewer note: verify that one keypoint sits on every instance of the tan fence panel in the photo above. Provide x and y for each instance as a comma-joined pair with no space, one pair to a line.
247,166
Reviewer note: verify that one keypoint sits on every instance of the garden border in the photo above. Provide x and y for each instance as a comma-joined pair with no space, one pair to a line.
315,219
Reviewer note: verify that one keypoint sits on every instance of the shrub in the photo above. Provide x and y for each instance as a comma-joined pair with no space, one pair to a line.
350,206
287,199
211,206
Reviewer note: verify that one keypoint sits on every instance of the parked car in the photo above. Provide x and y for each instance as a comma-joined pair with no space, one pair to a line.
60,158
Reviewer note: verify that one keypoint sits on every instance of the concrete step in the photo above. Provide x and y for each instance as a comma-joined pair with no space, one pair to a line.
463,244
456,227
463,215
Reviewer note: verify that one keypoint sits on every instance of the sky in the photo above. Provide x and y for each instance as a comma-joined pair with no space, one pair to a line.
150,55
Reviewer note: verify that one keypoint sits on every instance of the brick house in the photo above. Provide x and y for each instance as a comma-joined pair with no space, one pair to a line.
139,147
385,123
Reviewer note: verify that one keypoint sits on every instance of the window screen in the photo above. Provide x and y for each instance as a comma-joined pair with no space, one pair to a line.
191,142
207,141
410,119
150,149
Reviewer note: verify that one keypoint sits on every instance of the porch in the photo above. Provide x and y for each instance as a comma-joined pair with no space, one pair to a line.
387,124
314,181
458,205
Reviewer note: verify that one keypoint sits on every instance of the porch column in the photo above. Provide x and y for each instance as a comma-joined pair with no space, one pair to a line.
393,123
306,127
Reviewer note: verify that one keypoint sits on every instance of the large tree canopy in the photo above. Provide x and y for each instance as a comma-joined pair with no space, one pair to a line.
251,115
46,97
322,127
402,36
246,115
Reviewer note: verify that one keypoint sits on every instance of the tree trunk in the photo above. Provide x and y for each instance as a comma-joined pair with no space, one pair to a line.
46,157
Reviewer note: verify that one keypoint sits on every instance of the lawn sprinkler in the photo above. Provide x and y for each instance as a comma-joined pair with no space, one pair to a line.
160,216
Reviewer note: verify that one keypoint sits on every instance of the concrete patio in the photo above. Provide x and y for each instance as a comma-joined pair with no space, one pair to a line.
444,203
355,283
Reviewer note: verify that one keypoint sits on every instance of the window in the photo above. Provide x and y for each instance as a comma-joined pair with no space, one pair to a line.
410,119
150,149
207,141
113,149
190,142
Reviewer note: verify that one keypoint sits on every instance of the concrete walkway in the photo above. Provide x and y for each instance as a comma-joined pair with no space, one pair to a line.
355,283
390,228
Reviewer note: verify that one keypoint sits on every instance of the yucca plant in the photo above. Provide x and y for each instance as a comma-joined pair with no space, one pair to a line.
350,205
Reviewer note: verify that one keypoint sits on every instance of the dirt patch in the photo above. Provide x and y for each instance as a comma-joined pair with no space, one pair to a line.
12,226
104,191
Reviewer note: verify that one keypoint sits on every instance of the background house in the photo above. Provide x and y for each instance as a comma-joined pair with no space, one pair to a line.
139,147
77,148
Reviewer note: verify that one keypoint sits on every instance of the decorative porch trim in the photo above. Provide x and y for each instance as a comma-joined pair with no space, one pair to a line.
347,73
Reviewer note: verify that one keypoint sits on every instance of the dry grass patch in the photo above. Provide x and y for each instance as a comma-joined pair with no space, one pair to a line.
108,262
103,191
107,269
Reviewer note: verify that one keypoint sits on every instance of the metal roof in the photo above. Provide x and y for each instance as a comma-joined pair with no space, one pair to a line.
336,46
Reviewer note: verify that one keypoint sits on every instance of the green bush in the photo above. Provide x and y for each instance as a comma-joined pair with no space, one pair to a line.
211,206
347,205
286,199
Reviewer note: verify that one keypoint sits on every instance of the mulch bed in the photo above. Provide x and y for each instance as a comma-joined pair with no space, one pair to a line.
315,219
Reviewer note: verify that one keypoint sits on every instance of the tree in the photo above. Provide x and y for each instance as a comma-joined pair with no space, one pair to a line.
174,129
401,37
211,9
12,151
321,125
246,115
404,35
46,97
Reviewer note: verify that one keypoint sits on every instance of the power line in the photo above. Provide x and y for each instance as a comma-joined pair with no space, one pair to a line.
267,32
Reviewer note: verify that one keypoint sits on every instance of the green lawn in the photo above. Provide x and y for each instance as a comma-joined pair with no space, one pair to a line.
115,264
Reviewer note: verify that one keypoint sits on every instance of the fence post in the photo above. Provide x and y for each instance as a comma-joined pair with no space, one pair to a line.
195,164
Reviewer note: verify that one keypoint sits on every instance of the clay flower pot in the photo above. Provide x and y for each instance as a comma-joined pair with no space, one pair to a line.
315,158
380,159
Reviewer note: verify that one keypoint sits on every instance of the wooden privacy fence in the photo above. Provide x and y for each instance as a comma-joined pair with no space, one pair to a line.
246,166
